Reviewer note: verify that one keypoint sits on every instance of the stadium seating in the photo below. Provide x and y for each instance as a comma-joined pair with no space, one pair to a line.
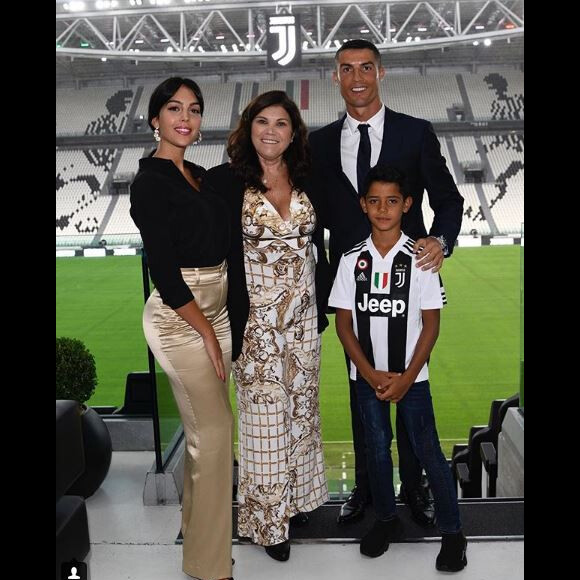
496,95
406,93
93,111
466,461
84,206
490,95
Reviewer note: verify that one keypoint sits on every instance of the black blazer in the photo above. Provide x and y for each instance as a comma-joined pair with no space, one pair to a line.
410,144
222,181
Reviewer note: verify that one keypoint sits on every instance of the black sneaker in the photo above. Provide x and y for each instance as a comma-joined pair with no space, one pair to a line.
377,540
452,556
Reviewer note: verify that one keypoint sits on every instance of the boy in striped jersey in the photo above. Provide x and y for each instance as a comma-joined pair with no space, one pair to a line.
387,318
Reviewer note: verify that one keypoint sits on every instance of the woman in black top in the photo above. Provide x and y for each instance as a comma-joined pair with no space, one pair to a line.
186,237
278,276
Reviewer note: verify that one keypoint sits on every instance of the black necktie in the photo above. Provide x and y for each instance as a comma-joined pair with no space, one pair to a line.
363,160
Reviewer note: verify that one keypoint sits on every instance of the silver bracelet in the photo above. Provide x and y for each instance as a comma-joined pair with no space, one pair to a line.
443,243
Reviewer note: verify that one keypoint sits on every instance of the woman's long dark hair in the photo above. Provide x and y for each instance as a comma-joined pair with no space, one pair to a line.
166,90
243,156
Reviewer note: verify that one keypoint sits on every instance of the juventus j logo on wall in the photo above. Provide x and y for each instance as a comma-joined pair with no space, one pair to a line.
283,41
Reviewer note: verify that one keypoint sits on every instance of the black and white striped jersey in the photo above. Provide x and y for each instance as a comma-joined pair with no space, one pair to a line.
386,296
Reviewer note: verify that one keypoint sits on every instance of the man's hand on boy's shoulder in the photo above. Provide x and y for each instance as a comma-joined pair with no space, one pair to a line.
397,389
430,253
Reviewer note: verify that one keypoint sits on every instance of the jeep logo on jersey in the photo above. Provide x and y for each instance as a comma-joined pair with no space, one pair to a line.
283,42
380,280
379,305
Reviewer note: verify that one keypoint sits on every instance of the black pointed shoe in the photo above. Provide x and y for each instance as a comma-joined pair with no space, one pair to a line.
420,504
299,520
280,552
378,538
452,556
353,508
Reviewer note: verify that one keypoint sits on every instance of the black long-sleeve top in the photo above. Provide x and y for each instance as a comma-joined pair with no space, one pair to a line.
180,226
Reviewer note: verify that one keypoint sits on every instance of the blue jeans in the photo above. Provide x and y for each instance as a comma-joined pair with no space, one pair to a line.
416,410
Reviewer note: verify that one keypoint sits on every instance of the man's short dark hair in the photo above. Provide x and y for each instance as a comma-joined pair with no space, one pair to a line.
387,174
360,44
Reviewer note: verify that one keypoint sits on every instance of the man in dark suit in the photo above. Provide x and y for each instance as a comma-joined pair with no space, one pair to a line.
343,152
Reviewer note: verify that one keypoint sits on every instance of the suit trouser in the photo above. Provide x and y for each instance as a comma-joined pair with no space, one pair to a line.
410,469
206,414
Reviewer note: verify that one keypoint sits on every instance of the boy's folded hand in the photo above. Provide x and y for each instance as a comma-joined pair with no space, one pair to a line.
383,380
397,389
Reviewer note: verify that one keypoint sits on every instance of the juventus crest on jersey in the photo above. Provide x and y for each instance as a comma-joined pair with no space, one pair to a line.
386,297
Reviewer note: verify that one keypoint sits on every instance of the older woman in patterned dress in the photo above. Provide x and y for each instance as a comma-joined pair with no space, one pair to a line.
278,288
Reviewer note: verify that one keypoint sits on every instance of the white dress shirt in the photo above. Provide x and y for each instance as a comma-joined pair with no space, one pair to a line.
350,138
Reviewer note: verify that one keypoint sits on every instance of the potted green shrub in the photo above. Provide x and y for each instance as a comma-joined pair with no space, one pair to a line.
76,379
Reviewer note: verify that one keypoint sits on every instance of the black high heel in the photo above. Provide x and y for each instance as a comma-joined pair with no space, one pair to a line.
280,552
299,520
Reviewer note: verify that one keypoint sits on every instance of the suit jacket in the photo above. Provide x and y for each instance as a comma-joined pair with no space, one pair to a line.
222,181
411,145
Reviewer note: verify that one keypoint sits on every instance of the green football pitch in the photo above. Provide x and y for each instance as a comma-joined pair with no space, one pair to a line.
475,360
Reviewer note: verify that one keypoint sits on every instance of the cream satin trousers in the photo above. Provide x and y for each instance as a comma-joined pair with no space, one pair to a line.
206,414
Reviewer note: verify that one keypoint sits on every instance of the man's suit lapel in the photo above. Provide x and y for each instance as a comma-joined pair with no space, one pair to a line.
392,138
335,156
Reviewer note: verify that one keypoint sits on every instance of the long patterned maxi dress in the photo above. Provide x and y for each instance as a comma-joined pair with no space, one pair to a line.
281,464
